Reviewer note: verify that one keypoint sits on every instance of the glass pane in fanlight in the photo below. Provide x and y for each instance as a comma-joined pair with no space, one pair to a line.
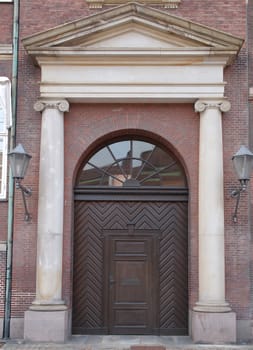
102,159
142,149
173,177
127,160
90,176
120,149
148,176
136,164
160,158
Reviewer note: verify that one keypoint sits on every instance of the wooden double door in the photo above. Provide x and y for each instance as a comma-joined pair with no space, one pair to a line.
130,268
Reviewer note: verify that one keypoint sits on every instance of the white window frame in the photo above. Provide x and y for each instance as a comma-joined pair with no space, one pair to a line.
5,106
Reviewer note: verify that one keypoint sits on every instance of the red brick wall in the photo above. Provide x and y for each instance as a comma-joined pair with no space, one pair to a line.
85,124
3,220
2,282
250,46
6,11
6,15
250,40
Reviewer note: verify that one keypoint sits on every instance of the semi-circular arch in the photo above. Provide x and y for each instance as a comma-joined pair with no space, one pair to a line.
130,242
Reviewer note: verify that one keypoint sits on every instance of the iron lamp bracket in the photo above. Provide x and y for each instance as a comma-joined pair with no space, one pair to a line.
26,192
237,194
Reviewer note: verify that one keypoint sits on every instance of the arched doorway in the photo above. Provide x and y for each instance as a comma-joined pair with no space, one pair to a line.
130,241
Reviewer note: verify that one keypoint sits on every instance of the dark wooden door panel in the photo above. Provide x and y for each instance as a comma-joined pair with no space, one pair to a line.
91,218
131,296
131,282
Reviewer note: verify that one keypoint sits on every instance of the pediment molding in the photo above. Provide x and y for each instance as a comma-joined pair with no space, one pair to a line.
168,4
76,34
132,53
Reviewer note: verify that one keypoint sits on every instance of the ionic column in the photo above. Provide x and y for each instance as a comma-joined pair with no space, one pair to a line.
51,205
211,208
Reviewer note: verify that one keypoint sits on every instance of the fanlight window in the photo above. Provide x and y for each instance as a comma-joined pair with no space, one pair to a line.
132,163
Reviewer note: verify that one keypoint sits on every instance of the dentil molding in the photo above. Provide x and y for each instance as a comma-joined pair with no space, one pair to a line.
98,4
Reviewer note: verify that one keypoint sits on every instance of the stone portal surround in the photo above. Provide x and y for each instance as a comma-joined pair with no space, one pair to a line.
49,311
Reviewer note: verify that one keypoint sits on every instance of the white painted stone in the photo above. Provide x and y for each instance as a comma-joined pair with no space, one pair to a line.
17,328
132,54
156,81
133,74
211,208
244,330
50,210
214,328
133,38
50,326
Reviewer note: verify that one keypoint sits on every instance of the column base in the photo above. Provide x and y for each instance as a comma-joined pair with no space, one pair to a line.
48,307
214,327
46,326
217,306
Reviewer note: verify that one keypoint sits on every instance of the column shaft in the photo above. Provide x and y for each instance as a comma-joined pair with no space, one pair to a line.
211,210
51,205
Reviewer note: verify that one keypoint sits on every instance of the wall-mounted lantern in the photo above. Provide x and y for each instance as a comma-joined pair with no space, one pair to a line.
243,163
19,161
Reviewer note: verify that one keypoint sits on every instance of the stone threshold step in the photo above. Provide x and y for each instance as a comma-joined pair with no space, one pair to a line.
46,346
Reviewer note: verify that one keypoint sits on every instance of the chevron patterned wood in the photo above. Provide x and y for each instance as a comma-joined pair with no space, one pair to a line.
94,216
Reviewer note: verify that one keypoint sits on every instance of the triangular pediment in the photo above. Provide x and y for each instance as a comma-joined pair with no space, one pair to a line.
131,26
135,36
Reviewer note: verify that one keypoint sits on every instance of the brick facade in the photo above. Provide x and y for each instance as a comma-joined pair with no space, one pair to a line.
89,125
2,281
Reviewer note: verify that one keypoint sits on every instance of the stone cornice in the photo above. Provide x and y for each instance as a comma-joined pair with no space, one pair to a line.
98,4
174,56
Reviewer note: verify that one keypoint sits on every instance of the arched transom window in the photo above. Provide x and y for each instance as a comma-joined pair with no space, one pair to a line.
132,163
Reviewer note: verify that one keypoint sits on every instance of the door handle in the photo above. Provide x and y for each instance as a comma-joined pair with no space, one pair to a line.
111,280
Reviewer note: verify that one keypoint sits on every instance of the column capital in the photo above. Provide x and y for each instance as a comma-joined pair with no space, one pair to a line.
61,105
202,105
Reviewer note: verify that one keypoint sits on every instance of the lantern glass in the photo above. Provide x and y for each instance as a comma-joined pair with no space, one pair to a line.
243,163
19,161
